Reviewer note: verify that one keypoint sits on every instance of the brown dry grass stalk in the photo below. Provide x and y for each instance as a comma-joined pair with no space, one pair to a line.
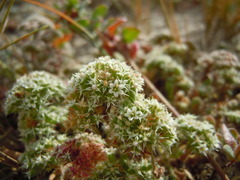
6,14
64,16
221,20
168,12
23,37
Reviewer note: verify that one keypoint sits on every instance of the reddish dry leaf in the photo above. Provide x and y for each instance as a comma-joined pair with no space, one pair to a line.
58,42
113,28
229,139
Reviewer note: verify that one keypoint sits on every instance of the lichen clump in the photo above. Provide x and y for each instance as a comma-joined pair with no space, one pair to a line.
162,69
105,98
110,130
37,100
33,92
106,95
199,136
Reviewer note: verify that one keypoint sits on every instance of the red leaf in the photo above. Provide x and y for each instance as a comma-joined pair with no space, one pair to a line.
113,28
58,42
133,50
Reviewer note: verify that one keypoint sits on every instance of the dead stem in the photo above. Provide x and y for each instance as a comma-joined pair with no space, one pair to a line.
185,155
217,167
153,163
167,8
3,23
152,87
23,37
229,139
7,157
5,134
82,29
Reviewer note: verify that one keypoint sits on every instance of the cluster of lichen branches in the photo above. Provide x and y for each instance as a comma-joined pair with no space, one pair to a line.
100,126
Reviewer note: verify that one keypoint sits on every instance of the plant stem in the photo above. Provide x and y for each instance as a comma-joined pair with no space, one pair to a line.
153,163
152,87
23,37
6,15
167,9
217,167
1,6
5,156
64,16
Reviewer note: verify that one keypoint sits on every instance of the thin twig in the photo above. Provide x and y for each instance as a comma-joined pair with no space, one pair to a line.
153,162
23,37
168,13
8,157
5,134
64,16
1,6
217,167
5,17
152,87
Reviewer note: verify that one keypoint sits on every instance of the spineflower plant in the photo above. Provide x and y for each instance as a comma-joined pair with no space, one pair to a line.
198,136
36,99
161,68
111,131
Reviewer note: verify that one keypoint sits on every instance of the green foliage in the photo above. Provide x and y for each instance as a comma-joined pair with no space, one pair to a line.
38,157
130,34
163,69
233,116
116,131
33,92
99,12
36,98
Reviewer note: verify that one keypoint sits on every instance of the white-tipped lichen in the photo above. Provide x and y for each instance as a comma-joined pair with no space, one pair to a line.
199,136
38,157
33,91
175,48
143,126
162,67
114,131
37,99
221,71
97,87
123,168
233,115
105,80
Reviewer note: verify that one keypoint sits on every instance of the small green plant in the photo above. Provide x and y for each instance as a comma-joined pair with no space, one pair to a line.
110,130
162,69
198,136
36,99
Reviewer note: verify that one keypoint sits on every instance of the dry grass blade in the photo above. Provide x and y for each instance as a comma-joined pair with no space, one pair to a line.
221,20
167,8
1,6
217,167
64,16
6,15
156,92
23,37
8,158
